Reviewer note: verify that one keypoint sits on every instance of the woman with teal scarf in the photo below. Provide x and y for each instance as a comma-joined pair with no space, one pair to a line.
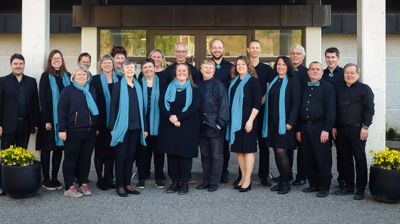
282,104
151,95
104,155
244,96
179,130
52,82
77,112
128,125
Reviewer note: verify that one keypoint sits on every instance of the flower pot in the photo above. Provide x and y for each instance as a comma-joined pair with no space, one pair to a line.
384,184
21,181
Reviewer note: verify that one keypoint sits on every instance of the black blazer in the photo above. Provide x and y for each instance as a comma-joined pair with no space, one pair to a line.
9,107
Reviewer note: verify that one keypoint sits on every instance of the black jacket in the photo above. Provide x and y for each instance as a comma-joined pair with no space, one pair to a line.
215,108
9,105
169,74
73,112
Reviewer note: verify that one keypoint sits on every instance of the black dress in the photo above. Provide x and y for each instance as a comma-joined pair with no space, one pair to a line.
247,142
292,106
184,140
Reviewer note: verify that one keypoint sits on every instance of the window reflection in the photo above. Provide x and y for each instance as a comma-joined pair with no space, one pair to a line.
277,42
134,41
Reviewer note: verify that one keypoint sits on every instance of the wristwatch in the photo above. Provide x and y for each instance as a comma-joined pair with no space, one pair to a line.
365,127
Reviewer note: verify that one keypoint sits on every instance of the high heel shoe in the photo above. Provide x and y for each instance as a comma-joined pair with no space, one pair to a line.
245,189
237,187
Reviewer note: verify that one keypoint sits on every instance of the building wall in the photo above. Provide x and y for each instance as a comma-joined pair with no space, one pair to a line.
68,44
347,44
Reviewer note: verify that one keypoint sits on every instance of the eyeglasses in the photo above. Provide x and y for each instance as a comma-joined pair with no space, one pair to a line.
56,59
181,52
296,53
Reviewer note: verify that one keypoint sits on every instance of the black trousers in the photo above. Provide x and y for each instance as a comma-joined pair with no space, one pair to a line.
143,159
317,156
350,146
227,156
19,138
125,155
78,149
180,168
212,159
104,157
263,167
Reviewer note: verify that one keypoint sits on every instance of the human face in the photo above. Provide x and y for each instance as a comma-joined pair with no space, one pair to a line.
148,70
207,70
331,60
85,60
56,61
180,53
281,67
81,77
157,57
241,67
17,66
129,71
119,59
350,75
107,66
315,72
182,74
217,49
254,50
297,57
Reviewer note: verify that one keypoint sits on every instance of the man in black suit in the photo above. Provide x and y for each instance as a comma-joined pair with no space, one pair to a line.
19,106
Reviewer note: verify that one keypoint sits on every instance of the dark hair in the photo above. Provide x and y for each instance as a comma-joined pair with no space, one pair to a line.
84,54
352,65
332,50
250,67
253,41
50,69
288,63
189,72
118,50
148,60
17,56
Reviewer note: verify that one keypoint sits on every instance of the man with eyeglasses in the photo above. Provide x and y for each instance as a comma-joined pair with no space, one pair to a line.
180,52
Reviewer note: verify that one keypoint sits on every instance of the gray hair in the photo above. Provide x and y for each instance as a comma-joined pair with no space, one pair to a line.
80,68
352,65
298,46
104,58
181,43
129,62
315,62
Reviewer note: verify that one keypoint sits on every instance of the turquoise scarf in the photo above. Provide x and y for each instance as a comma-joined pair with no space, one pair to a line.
282,112
171,93
154,108
120,74
106,92
55,96
236,109
121,124
89,98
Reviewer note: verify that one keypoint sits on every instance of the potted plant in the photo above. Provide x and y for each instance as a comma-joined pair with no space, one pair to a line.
21,172
384,177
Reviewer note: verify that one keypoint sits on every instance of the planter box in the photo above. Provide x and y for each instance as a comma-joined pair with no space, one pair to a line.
384,184
21,181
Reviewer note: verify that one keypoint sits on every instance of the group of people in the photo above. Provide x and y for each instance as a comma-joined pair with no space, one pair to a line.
174,110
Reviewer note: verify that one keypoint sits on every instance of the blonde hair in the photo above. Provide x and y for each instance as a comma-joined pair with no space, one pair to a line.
208,61
80,68
163,62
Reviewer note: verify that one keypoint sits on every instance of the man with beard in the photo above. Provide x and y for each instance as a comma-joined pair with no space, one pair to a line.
223,73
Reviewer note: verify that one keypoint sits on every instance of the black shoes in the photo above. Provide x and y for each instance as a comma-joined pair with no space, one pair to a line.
159,184
360,195
48,185
266,181
174,187
56,184
202,186
111,185
310,189
212,188
276,179
275,188
284,189
298,182
345,191
224,177
2,192
237,181
140,184
323,194
101,185
245,189
184,189
122,193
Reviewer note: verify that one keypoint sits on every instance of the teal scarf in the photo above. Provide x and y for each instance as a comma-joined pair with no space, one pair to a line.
236,109
89,98
171,93
106,92
121,124
154,108
120,74
55,96
282,112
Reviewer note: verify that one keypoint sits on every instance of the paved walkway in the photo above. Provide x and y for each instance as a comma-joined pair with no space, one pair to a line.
226,205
